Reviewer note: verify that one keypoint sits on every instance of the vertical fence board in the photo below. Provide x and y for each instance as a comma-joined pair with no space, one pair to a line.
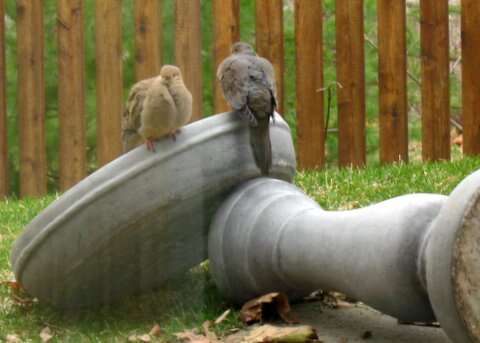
470,77
71,92
226,26
188,46
309,81
3,109
148,33
392,80
269,40
108,49
31,98
351,77
435,80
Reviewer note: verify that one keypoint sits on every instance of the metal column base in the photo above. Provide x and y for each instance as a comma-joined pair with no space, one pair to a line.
415,257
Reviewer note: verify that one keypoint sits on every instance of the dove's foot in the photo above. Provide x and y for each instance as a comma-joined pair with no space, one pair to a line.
247,115
150,145
173,135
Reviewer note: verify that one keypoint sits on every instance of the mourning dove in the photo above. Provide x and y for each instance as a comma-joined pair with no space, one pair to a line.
248,84
156,107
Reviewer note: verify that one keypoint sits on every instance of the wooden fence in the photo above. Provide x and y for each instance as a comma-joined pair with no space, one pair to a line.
350,63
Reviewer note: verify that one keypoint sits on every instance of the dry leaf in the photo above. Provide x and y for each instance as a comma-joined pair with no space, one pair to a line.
281,334
18,293
257,309
344,304
222,317
156,331
192,337
12,338
12,284
46,334
209,334
144,338
139,338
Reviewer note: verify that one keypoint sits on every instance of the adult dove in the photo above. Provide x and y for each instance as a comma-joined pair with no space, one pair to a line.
156,107
248,84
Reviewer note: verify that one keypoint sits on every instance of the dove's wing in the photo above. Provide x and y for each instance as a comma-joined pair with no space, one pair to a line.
268,76
131,115
233,74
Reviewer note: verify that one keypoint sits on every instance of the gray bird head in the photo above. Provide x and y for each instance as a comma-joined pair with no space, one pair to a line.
242,48
170,73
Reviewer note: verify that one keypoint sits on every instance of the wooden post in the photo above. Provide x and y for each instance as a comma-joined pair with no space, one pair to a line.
148,38
108,23
31,98
188,49
226,27
470,77
392,80
309,56
71,92
269,40
3,109
435,80
351,79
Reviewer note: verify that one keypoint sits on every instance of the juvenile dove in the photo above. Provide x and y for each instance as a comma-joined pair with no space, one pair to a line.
248,84
156,107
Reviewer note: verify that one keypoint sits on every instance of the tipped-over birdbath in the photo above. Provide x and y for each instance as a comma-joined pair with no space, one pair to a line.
144,217
415,257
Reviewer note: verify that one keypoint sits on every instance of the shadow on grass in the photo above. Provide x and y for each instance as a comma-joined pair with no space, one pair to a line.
184,303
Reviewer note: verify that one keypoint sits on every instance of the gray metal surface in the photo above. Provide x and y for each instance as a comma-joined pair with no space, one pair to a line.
452,262
397,256
143,218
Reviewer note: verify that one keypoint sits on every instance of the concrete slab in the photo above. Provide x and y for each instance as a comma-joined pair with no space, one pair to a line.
348,325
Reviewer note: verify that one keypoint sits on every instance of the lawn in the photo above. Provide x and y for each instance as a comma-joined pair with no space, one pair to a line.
188,302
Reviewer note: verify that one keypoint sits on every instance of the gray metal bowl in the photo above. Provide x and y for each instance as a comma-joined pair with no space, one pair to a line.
143,218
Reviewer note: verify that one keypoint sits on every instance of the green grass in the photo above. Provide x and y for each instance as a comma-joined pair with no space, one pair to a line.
187,303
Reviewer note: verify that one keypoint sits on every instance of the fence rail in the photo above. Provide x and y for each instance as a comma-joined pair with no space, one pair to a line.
31,98
3,111
310,88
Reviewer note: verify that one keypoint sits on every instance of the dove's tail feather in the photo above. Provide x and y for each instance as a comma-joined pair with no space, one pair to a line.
261,145
130,140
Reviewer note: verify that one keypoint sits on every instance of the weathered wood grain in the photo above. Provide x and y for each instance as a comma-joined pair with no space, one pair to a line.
108,24
226,29
148,38
435,80
269,41
3,110
470,76
188,49
309,84
31,98
392,80
350,64
71,92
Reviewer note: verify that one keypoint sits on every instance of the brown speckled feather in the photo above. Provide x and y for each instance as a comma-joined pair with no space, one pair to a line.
131,119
